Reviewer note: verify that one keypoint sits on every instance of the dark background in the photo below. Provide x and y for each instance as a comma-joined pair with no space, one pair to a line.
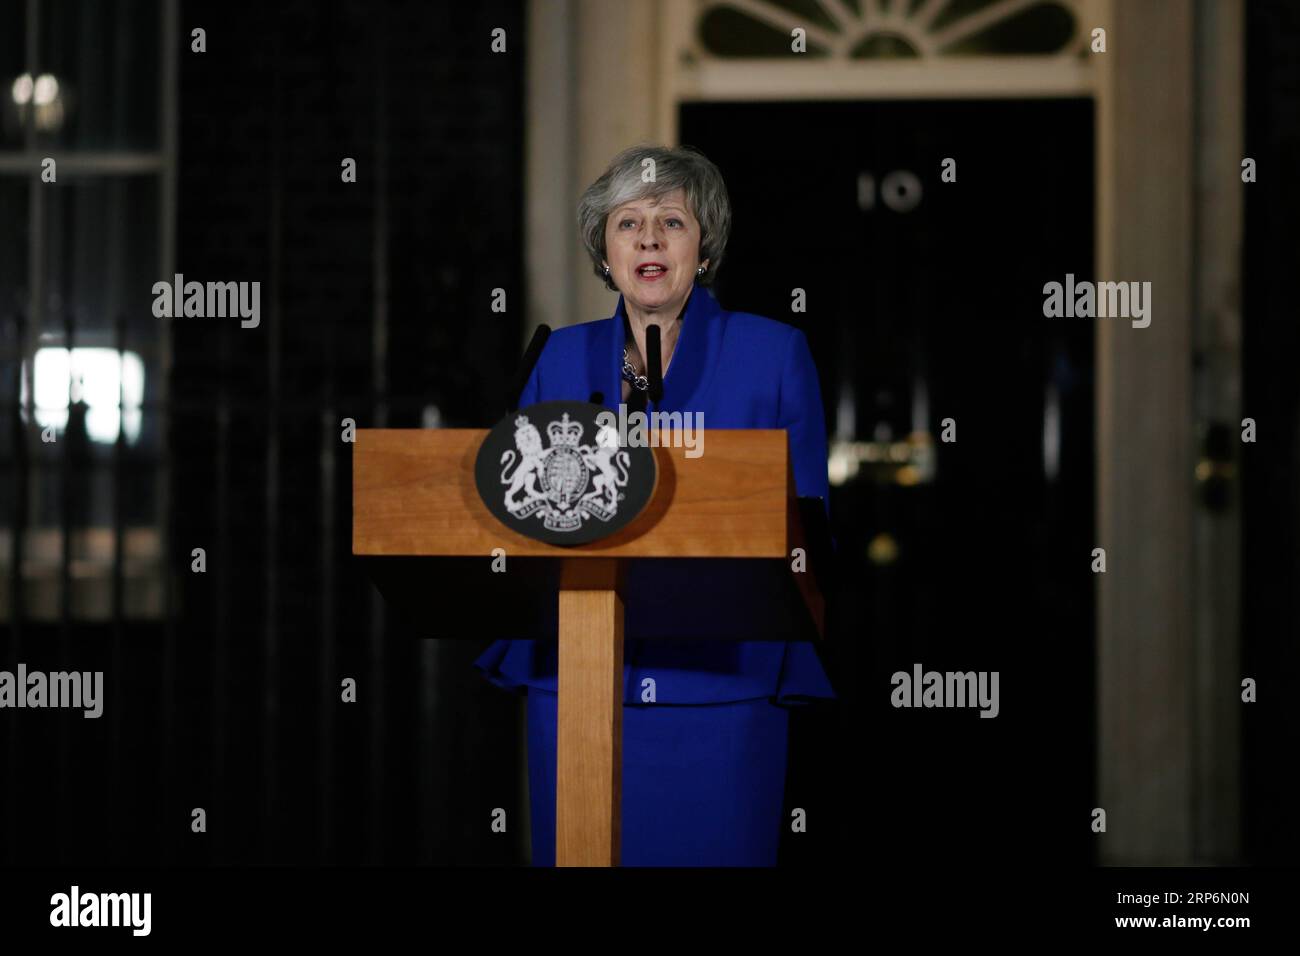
1270,484
375,302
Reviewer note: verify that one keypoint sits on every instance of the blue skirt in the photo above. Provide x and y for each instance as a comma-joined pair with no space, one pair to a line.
703,764
702,785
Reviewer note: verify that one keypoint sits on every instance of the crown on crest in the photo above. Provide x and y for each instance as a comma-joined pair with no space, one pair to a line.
565,432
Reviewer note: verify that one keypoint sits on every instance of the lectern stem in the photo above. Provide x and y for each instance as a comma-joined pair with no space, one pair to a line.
589,774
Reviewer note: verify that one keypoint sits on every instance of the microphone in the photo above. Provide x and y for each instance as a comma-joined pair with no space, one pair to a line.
526,365
654,368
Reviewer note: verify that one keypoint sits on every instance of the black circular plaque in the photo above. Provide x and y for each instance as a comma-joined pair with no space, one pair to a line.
556,472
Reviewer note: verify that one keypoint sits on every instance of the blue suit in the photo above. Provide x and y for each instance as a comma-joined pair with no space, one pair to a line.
704,765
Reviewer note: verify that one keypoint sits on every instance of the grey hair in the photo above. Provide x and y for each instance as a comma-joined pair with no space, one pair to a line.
682,168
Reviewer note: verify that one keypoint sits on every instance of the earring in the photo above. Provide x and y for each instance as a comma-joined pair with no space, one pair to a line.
607,270
700,271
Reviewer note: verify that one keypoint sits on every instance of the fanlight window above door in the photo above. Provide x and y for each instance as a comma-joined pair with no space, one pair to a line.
892,29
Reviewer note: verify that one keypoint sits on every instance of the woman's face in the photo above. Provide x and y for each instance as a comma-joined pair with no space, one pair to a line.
652,232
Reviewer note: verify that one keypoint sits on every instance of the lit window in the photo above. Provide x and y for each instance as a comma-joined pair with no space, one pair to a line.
109,383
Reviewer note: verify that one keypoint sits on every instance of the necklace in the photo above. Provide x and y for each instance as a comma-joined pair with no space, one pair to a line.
639,382
629,375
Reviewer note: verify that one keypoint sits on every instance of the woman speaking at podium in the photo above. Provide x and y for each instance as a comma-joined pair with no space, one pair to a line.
704,765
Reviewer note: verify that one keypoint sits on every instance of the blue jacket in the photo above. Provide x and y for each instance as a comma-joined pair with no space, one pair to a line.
739,371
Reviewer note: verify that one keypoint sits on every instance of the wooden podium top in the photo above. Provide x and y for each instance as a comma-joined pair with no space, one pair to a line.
414,495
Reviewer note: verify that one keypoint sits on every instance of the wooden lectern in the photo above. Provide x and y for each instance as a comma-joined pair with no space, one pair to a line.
710,557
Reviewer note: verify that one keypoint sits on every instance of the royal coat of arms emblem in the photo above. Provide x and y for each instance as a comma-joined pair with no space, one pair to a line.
563,489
